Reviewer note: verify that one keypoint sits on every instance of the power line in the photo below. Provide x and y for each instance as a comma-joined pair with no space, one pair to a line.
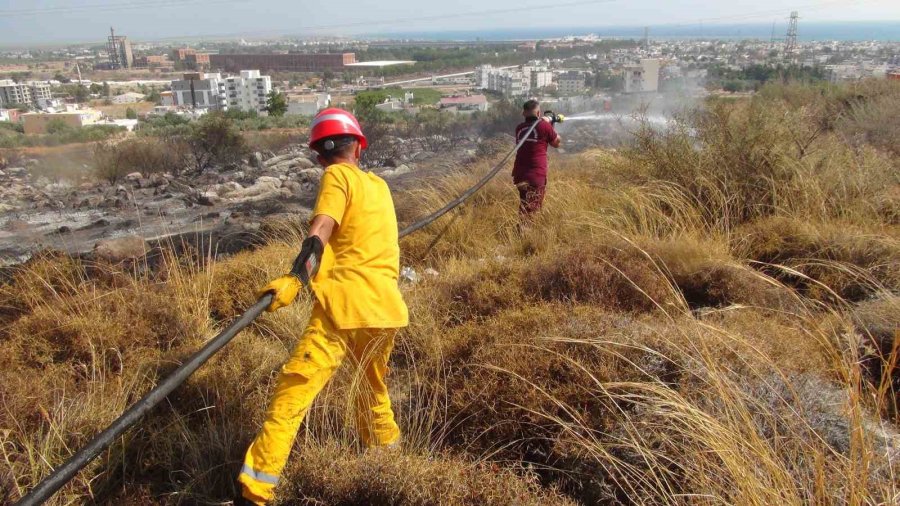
355,24
766,13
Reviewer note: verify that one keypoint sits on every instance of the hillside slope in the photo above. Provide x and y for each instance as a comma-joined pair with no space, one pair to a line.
709,317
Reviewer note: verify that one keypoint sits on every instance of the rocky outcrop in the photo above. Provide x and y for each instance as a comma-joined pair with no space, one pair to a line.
118,250
76,216
397,171
265,187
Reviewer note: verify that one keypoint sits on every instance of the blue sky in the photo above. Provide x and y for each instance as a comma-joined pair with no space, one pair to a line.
55,21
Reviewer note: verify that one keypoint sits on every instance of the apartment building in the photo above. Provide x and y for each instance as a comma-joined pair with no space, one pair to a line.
539,76
512,83
248,92
643,78
33,93
571,83
200,91
482,76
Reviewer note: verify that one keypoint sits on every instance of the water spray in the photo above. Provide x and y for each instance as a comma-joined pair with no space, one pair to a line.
654,119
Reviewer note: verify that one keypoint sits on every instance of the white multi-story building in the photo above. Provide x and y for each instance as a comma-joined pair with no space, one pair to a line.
40,93
200,91
512,83
483,75
515,83
643,78
33,93
248,92
538,76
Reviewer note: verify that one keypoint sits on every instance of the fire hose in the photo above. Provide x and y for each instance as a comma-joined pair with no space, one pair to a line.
64,473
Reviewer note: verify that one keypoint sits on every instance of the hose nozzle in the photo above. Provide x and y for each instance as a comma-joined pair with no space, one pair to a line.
554,118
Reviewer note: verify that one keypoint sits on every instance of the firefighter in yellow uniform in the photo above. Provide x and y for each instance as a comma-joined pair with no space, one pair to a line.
351,260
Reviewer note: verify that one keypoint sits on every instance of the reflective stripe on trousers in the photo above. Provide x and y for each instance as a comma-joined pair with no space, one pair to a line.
312,363
259,475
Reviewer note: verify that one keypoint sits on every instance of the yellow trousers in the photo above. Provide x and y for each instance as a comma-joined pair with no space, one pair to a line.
312,363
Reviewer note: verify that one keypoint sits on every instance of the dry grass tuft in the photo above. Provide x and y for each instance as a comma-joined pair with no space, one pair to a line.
328,475
825,260
615,277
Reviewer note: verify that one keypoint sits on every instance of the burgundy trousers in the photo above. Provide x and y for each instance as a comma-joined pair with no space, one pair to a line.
531,198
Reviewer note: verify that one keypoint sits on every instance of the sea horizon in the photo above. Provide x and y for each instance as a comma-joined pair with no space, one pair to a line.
881,31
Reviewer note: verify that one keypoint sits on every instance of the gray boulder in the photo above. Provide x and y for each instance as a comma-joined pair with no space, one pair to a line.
265,187
209,198
120,249
230,187
275,160
312,175
303,163
399,171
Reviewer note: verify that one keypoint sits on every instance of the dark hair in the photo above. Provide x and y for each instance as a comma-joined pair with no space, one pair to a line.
531,105
336,146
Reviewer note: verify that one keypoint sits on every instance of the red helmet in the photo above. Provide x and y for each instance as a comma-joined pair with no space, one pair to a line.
333,121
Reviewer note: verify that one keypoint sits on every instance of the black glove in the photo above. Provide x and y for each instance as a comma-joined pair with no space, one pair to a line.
306,265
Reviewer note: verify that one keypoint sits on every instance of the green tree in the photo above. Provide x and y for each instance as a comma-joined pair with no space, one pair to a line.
80,93
130,113
110,162
106,89
153,96
61,78
96,88
215,140
147,155
276,104
733,86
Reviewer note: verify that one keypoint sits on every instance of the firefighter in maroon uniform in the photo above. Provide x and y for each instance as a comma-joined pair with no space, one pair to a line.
530,170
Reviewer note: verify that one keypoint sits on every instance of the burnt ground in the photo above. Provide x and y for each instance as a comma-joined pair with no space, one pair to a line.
223,210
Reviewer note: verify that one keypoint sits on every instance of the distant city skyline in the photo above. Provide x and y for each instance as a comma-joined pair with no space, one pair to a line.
79,21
